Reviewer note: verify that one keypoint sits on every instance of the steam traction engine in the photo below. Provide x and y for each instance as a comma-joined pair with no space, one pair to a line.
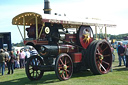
64,46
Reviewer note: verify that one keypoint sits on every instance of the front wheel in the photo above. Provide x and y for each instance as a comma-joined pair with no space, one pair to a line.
32,68
63,66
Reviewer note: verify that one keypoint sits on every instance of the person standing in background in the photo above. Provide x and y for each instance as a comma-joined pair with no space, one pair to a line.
121,52
7,58
27,55
5,50
126,55
2,60
34,52
11,62
22,59
17,60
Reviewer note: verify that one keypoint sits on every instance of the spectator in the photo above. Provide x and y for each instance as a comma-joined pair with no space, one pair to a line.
117,49
121,51
27,55
126,56
5,50
34,52
11,62
2,60
17,60
14,53
22,59
30,51
113,56
8,58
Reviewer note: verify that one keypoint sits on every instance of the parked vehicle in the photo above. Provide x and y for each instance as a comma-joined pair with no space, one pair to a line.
76,50
124,42
115,44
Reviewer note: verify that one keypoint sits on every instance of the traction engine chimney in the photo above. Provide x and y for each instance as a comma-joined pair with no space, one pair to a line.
47,9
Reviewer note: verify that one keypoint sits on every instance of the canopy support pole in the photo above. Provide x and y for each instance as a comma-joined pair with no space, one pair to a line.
96,32
20,32
106,32
41,29
24,28
36,28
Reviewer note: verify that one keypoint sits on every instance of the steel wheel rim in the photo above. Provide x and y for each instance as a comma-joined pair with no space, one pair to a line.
33,68
103,57
64,67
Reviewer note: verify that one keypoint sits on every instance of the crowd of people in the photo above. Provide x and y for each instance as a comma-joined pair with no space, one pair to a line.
122,51
13,60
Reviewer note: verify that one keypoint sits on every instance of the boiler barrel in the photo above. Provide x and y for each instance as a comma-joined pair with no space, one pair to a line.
54,50
49,50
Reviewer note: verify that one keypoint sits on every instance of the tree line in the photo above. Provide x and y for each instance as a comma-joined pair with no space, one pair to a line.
111,37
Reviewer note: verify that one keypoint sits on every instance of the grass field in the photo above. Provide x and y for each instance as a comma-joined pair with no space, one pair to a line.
119,76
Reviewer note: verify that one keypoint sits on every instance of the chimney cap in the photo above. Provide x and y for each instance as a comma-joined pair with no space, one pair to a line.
46,0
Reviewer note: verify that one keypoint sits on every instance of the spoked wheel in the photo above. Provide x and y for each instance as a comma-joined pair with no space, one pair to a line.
85,36
63,67
32,68
100,57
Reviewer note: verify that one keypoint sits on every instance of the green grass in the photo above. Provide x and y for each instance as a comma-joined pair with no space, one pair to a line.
119,76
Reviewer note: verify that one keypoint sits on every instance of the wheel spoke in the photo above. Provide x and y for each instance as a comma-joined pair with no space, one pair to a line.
62,74
98,64
101,45
36,74
30,68
36,61
107,55
60,68
32,62
68,66
103,67
67,75
106,63
104,49
58,71
68,61
60,65
33,73
32,65
65,60
98,51
61,62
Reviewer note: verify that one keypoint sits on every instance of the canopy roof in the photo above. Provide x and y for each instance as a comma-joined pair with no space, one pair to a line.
30,18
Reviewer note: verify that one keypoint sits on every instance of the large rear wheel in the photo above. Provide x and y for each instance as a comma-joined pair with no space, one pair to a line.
100,57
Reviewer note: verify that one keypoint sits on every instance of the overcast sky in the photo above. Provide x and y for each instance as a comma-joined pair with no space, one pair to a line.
114,10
